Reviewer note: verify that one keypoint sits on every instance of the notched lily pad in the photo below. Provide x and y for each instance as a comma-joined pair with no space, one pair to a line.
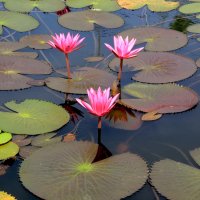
157,39
28,5
36,41
85,20
14,21
99,5
153,5
81,80
8,150
157,67
33,117
66,171
162,98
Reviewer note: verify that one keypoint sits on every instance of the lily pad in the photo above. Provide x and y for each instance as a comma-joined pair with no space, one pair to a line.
99,5
85,20
190,8
9,49
36,41
81,80
8,150
66,171
33,117
26,151
45,139
175,180
21,140
162,98
195,28
5,137
12,68
157,67
6,196
157,39
94,59
198,62
14,21
153,5
28,5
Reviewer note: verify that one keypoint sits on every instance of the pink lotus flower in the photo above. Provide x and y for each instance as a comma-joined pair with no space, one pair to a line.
100,102
123,50
67,45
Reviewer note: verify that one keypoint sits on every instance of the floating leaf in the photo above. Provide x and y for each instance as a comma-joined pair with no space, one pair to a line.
157,39
69,137
153,5
198,62
175,180
190,8
8,150
21,140
36,41
94,59
196,155
9,49
157,67
33,117
6,196
11,68
162,98
5,137
81,80
151,116
66,171
36,82
194,28
85,20
28,5
14,21
26,151
99,5
3,169
45,139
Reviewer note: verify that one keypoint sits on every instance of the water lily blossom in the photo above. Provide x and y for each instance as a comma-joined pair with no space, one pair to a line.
100,102
66,44
123,49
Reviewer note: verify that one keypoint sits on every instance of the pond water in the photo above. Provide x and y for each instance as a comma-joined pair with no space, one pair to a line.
172,136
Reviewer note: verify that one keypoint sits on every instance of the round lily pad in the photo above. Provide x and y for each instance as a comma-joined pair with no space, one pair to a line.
198,62
26,151
85,20
33,117
157,67
81,80
66,171
28,5
12,68
5,137
8,150
153,5
14,21
175,180
36,41
99,5
195,28
196,155
157,39
21,140
162,98
45,139
190,8
6,196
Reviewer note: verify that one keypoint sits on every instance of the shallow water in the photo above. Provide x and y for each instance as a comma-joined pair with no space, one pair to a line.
172,136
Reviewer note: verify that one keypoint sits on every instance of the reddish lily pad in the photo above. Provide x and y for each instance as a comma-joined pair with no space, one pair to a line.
26,151
157,67
94,59
157,39
198,62
21,140
162,98
85,20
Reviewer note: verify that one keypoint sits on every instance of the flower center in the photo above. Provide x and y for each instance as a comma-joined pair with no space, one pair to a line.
84,167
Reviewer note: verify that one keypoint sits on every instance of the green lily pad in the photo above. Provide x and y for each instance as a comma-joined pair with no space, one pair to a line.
5,137
26,151
157,39
195,28
153,5
85,20
8,150
190,8
14,21
33,117
28,5
157,67
82,79
99,5
66,171
162,98
45,139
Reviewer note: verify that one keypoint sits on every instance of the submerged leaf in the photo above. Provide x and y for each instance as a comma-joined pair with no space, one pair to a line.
151,116
66,171
33,117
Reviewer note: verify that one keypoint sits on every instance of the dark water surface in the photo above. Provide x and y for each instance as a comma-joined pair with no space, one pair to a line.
172,136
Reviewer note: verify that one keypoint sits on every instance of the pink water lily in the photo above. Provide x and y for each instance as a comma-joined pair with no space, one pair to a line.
100,102
66,44
123,49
